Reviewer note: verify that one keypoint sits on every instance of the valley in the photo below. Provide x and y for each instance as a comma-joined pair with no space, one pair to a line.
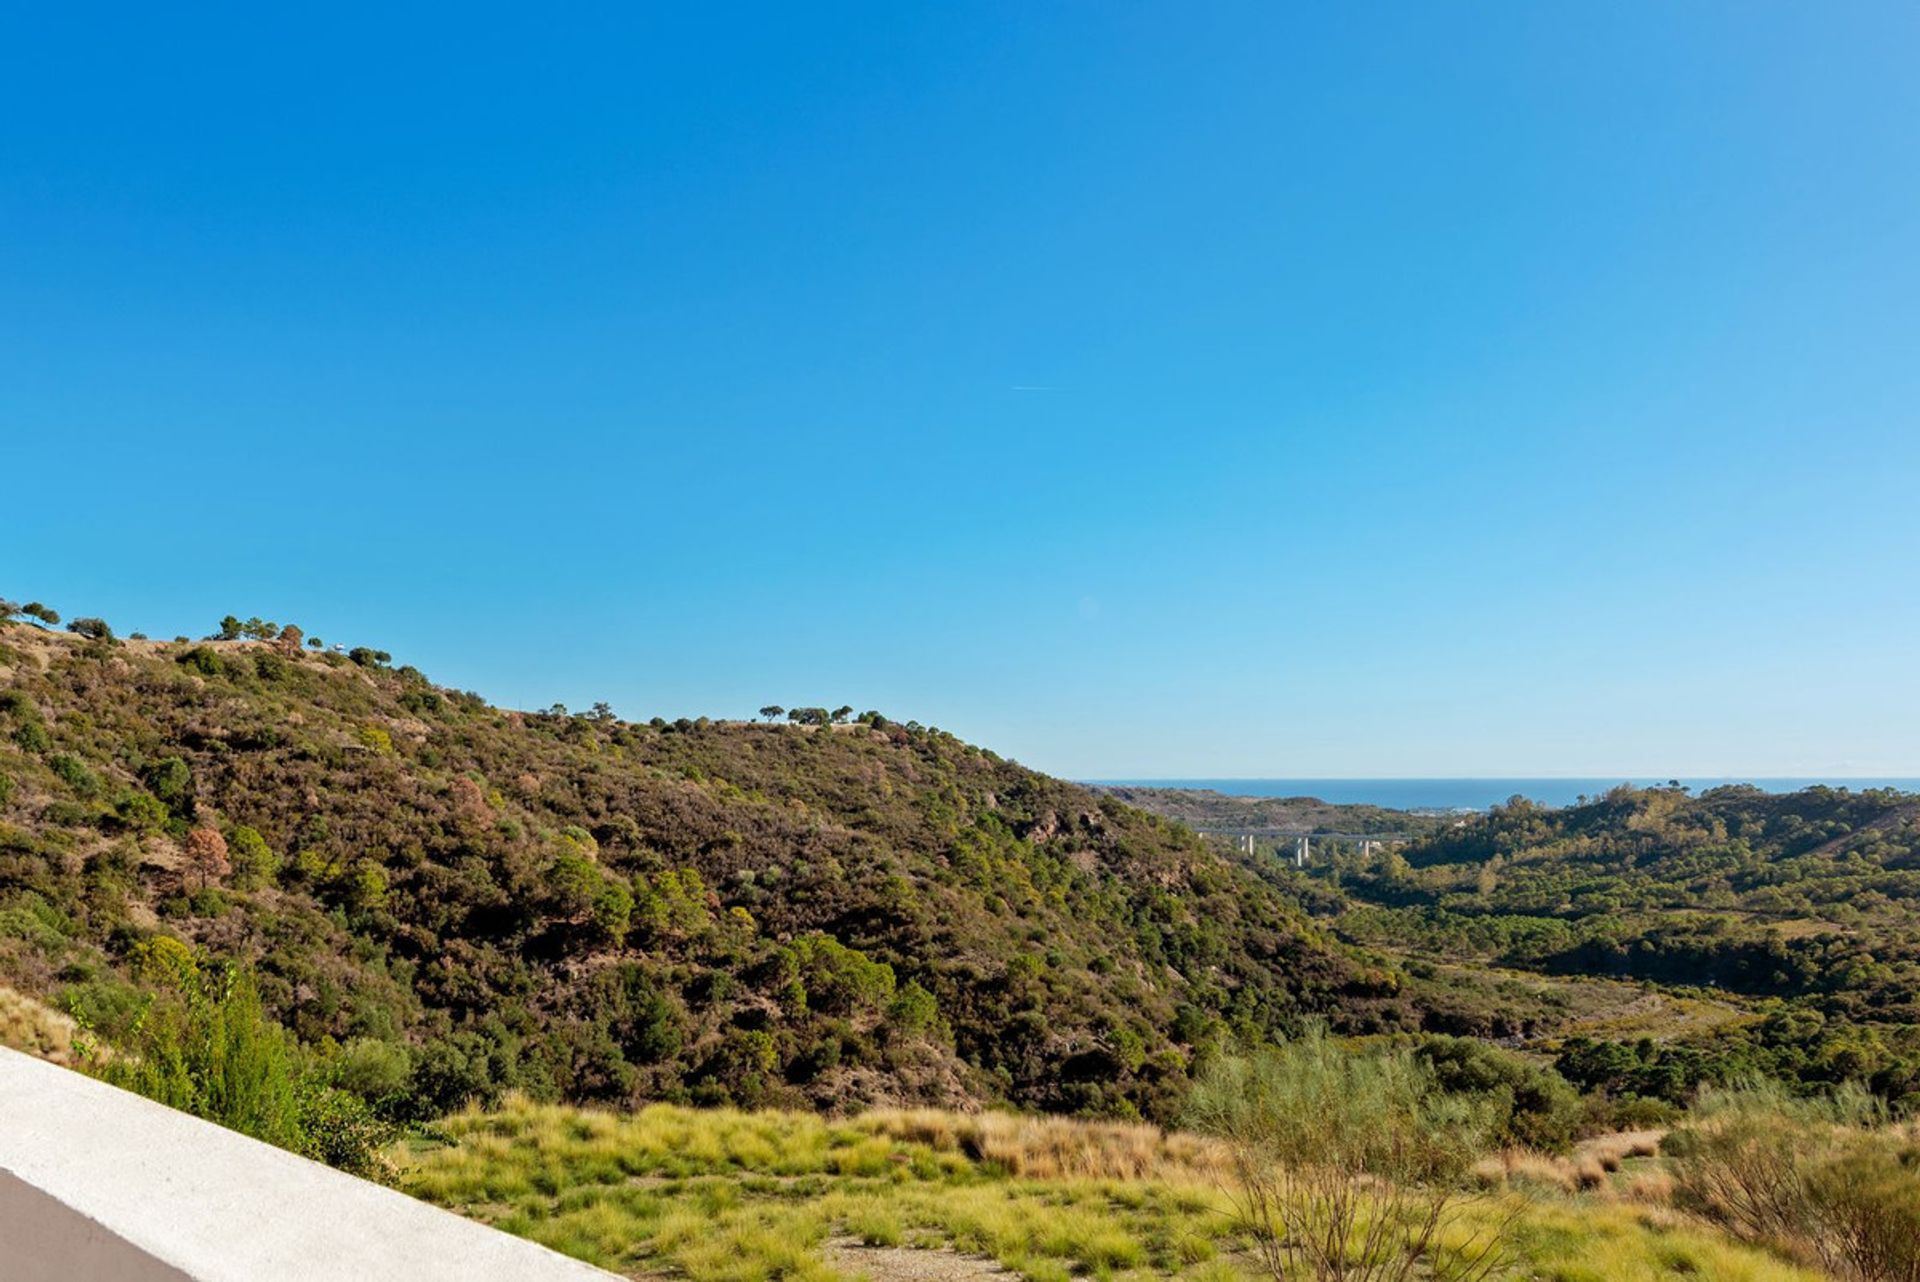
734,1000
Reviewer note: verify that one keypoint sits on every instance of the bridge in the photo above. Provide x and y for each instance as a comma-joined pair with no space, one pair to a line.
1246,840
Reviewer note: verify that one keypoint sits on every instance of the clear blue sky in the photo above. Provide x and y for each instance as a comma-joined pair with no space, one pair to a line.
1138,389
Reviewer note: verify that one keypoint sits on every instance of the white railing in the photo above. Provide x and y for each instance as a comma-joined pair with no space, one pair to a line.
99,1185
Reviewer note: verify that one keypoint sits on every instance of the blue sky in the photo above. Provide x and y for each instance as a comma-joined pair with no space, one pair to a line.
1137,389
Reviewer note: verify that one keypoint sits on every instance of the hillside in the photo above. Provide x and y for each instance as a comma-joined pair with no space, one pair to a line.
1802,907
391,926
1209,810
449,899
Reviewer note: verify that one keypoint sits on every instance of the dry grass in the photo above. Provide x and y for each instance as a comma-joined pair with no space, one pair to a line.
34,1027
1611,1151
1058,1148
729,1196
1652,1186
1591,1168
1526,1170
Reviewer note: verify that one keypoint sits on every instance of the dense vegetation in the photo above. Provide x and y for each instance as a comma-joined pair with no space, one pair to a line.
326,902
441,900
1802,909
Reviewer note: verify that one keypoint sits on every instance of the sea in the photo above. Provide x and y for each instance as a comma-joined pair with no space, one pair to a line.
1474,794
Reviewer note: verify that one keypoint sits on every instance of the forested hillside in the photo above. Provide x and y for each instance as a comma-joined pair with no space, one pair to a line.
443,899
384,923
1803,907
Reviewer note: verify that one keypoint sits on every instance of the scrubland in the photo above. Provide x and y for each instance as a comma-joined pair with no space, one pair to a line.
730,1001
730,1196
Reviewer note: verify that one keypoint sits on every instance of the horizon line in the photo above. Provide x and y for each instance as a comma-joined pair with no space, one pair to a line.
1568,778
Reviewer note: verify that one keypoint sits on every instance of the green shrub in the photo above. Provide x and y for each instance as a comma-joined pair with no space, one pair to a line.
106,1005
839,980
453,1071
613,911
342,1130
171,780
202,659
374,1070
207,1049
140,811
30,918
74,773
914,1010
209,901
364,887
572,883
1536,1107
1823,1177
165,961
254,863
1866,1204
1345,1161
203,1045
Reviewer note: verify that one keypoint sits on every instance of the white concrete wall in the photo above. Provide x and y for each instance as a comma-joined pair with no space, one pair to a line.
99,1185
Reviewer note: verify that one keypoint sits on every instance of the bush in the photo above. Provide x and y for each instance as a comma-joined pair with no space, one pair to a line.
1347,1163
341,1130
572,883
254,862
452,1072
171,780
203,660
613,912
31,918
1867,1204
839,980
914,1010
1537,1107
165,961
374,1070
204,1046
1821,1178
140,811
74,773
